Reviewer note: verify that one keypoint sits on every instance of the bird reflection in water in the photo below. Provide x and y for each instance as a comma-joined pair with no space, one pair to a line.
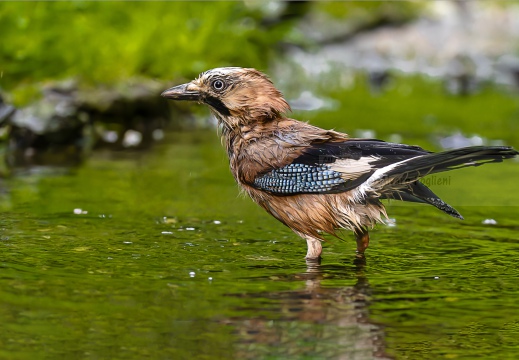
315,322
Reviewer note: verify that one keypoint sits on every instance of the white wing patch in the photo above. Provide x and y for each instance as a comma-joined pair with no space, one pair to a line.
378,180
352,169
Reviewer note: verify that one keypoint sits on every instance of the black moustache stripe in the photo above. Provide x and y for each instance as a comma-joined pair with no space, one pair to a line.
218,105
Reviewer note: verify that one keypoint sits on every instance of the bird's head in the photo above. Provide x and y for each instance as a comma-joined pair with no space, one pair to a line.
237,96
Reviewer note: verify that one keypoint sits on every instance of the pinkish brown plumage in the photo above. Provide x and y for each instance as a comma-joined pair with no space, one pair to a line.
316,181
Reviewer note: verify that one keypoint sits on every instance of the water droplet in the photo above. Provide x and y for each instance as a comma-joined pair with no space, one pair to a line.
489,222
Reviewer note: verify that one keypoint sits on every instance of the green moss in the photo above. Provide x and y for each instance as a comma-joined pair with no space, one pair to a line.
109,41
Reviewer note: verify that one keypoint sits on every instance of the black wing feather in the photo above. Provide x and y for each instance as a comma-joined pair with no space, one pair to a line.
325,153
311,171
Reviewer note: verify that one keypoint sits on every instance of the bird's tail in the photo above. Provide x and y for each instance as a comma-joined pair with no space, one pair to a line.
420,166
399,180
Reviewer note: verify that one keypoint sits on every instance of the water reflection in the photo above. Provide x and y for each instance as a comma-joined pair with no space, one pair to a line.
315,321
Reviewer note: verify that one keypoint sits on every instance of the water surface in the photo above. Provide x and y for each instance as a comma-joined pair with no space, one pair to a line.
155,255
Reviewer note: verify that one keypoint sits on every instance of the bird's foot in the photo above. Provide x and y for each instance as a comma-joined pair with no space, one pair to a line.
362,237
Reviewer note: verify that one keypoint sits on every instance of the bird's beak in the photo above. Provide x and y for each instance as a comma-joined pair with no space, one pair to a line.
187,91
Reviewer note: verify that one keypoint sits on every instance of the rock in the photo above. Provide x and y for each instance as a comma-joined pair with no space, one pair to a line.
464,43
75,118
6,111
460,75
134,105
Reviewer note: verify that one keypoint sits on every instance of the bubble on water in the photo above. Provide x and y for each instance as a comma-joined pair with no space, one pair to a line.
210,278
436,277
489,222
190,228
127,242
217,222
79,211
192,274
166,232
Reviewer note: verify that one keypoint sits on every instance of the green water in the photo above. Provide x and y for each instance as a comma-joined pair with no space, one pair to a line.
155,254
169,262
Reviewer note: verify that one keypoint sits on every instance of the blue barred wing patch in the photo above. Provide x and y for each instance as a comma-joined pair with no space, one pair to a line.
299,178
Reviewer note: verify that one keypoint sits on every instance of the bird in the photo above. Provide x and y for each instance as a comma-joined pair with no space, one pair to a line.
317,181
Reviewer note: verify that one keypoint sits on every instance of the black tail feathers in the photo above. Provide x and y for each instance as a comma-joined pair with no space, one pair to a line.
424,165
404,176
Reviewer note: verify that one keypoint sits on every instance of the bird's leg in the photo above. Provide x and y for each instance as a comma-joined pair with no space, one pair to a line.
314,247
362,237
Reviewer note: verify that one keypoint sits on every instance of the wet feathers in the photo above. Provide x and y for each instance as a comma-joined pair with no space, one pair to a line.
313,180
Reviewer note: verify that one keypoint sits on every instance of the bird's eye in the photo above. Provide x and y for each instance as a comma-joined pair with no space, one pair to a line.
218,84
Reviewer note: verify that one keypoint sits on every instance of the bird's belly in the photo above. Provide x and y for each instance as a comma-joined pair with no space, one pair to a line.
316,213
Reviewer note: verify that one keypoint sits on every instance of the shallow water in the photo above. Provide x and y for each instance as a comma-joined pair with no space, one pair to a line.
154,255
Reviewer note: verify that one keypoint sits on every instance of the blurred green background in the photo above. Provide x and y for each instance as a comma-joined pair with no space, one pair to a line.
122,234
103,42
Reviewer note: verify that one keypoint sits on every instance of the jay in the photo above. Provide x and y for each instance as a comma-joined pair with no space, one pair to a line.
317,181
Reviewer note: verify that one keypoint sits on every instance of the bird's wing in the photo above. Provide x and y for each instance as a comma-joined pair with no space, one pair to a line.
374,167
334,167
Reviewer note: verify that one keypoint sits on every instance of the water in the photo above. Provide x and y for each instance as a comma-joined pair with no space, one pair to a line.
155,255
